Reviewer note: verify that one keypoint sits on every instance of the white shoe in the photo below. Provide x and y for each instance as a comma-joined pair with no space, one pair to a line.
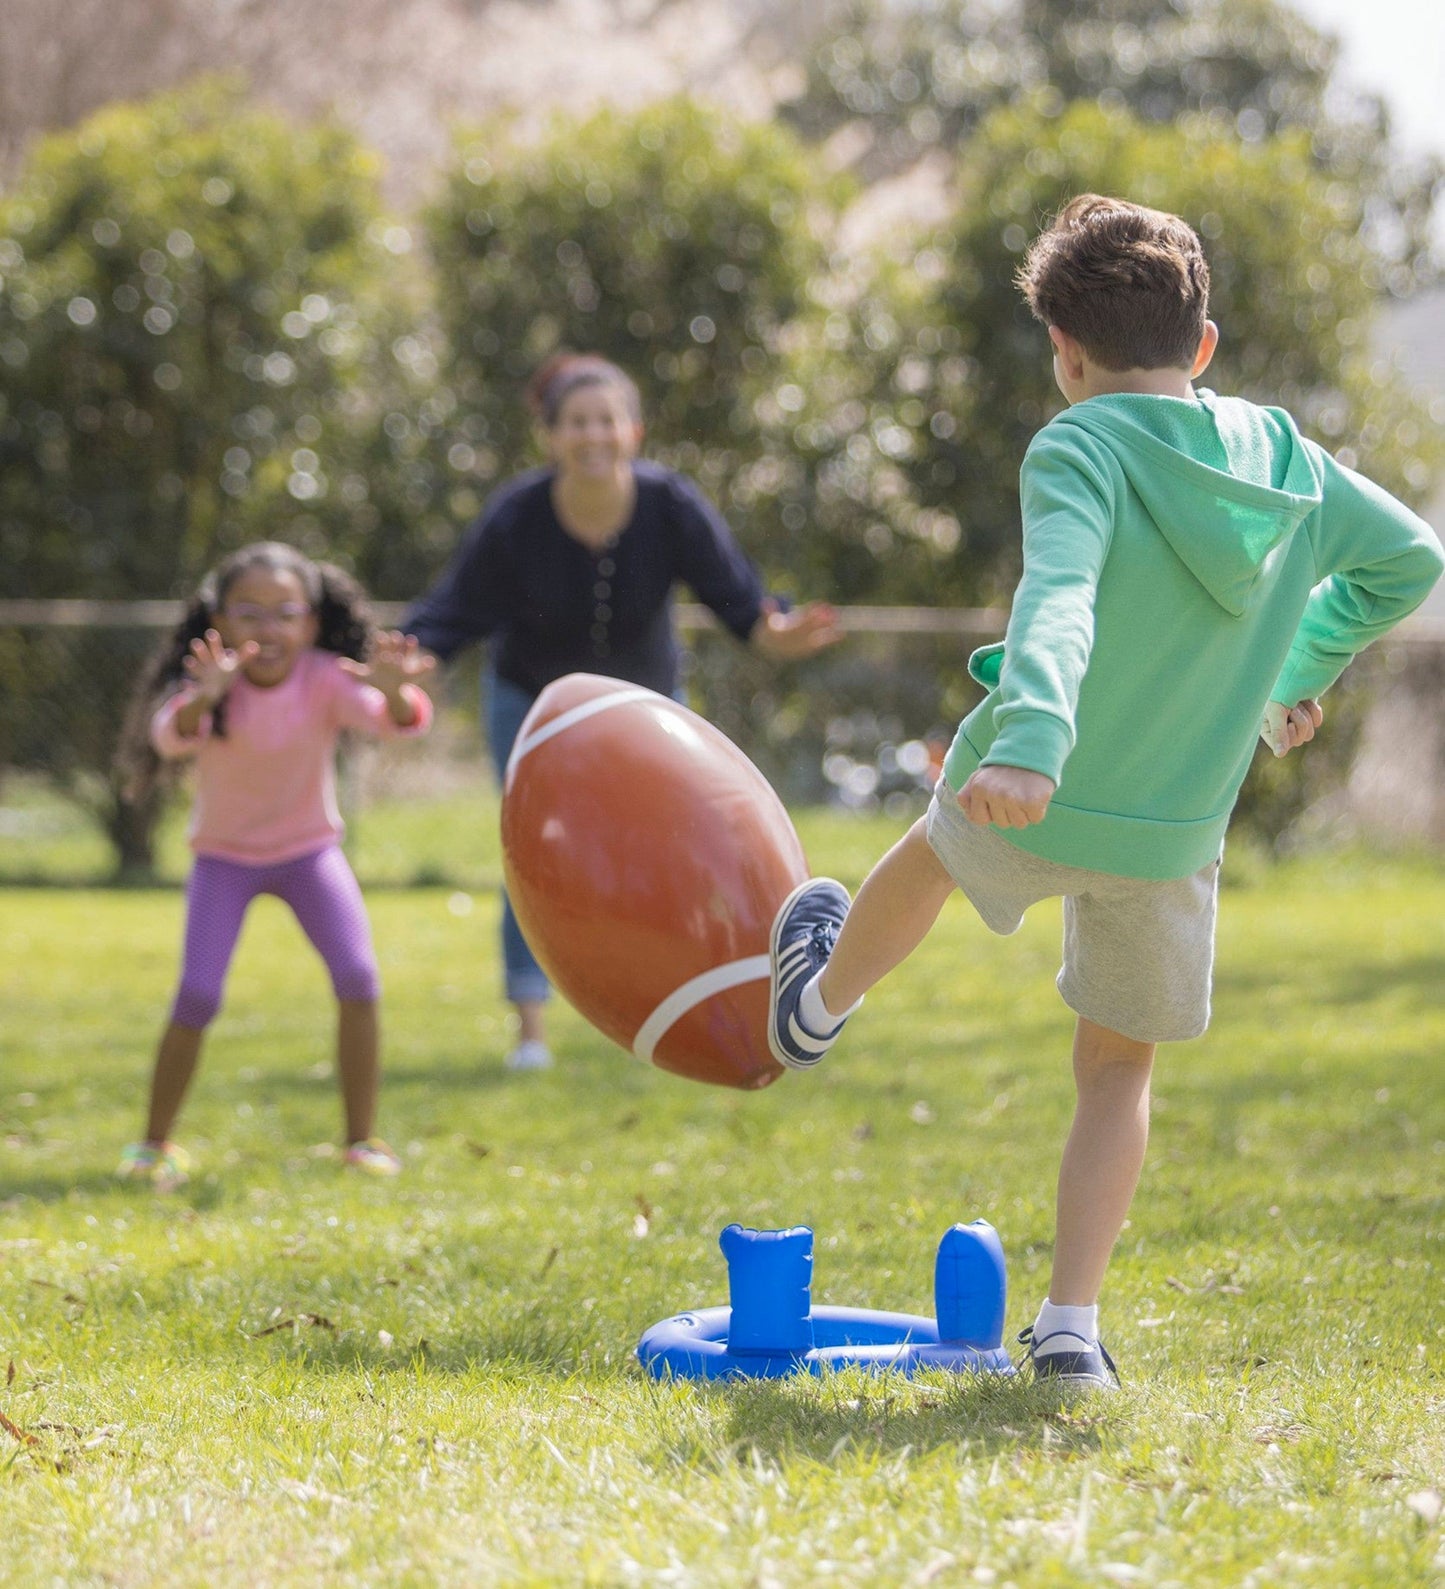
530,1054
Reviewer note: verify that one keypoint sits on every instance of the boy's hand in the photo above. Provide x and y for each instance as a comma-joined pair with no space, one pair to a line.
396,659
213,669
1008,797
1286,727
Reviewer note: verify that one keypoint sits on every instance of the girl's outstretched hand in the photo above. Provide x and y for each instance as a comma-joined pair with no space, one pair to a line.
396,659
213,668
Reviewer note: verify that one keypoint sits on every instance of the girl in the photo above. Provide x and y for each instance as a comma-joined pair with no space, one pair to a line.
259,678
571,568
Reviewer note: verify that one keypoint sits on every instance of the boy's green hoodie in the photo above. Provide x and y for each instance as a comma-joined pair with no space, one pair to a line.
1185,562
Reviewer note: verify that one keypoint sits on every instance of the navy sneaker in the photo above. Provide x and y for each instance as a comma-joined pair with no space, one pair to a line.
804,932
1088,1369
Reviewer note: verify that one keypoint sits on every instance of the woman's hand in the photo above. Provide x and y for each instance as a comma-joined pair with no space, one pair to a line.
1007,797
212,668
801,632
396,660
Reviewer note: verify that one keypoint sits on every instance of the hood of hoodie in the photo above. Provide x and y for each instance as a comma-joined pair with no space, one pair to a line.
1224,481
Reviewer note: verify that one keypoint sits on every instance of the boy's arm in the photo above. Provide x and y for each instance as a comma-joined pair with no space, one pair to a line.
1379,562
1067,496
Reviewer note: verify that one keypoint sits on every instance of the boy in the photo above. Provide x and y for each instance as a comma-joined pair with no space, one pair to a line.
1192,566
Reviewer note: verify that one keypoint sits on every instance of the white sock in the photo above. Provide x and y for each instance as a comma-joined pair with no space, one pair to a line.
1080,1327
815,1015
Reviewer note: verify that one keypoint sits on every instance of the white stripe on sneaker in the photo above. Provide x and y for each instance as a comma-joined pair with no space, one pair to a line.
792,963
807,1040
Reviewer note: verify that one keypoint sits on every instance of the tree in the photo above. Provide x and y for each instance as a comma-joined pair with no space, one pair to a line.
197,349
924,73
677,241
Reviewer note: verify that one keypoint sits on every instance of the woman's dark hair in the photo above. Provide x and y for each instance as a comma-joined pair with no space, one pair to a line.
344,626
555,381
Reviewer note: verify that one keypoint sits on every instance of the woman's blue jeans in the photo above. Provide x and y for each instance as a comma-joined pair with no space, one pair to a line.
506,705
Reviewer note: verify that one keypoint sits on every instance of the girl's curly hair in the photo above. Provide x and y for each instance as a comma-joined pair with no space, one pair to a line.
344,626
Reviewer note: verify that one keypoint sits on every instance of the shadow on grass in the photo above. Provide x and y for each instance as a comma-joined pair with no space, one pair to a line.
56,1188
479,885
800,1419
1348,984
519,1348
825,1419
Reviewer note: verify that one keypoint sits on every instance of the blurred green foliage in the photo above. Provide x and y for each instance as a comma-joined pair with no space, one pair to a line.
913,75
210,331
193,337
678,241
195,302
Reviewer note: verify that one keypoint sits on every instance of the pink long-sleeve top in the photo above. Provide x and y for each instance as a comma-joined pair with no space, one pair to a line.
266,790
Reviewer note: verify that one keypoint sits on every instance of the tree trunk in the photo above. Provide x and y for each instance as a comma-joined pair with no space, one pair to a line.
130,825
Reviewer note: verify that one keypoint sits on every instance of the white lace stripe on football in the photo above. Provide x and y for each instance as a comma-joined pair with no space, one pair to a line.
693,993
565,720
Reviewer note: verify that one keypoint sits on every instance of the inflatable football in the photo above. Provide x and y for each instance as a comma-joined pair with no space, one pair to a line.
645,857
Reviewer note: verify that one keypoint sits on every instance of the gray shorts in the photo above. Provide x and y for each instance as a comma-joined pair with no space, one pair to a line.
1138,954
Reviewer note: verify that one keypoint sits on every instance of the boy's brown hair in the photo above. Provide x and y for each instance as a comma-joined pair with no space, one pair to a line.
1128,283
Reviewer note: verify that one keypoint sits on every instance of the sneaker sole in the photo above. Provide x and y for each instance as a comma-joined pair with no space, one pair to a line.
786,1060
1074,1379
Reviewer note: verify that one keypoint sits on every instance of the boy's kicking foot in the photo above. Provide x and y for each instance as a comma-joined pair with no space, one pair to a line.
800,1030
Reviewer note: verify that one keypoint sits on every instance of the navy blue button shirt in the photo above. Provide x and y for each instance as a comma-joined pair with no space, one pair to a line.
554,606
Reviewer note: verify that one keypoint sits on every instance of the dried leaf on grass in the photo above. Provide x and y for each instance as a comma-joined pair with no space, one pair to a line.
89,1440
316,1320
1223,1284
16,1432
65,1296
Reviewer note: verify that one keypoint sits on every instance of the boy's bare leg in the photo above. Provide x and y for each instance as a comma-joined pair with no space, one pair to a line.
1102,1158
358,1065
899,901
180,1047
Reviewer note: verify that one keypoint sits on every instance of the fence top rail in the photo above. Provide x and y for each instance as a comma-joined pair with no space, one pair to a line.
68,614
965,622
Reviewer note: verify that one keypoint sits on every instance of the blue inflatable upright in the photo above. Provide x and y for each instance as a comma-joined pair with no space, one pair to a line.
771,1327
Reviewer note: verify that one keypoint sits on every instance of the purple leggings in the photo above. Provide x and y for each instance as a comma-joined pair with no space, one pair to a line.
323,892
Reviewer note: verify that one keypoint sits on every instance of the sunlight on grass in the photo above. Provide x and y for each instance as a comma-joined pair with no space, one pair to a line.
283,1372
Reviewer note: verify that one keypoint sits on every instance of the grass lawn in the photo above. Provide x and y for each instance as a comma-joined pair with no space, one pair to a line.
282,1374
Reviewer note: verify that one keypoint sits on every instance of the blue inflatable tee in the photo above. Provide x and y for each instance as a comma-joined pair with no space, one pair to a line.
970,1285
770,1285
772,1329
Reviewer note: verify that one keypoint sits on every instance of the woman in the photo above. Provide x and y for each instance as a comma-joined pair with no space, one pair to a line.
570,569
